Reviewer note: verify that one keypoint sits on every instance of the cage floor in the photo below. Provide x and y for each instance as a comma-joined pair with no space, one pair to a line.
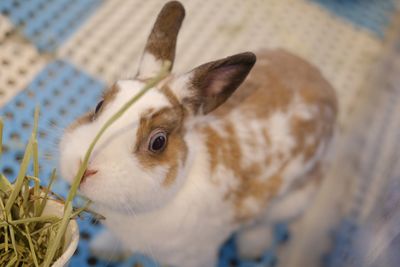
61,54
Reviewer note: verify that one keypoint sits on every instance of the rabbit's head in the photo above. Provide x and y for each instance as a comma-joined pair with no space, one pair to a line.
141,161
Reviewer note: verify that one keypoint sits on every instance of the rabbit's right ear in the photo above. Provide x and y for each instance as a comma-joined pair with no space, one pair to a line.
161,43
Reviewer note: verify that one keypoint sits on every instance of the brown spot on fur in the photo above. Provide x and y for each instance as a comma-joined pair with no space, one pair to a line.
266,136
262,94
271,88
171,175
169,94
254,185
170,120
268,160
301,129
161,42
226,151
212,141
302,78
262,191
319,128
85,119
108,96
223,150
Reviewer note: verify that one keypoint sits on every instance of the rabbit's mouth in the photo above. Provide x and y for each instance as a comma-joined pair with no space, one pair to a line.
88,173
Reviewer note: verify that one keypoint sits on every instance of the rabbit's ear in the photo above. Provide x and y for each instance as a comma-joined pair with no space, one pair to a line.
161,42
211,84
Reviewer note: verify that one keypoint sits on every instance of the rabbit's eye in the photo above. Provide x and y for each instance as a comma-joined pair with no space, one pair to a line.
158,141
98,107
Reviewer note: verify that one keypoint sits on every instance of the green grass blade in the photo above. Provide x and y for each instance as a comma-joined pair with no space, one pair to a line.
31,246
20,177
6,226
55,242
46,193
25,197
5,185
2,246
35,158
12,261
13,242
54,224
44,218
36,196
1,136
36,186
35,123
24,164
80,210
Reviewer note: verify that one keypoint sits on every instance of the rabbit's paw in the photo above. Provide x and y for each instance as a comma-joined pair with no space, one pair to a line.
253,241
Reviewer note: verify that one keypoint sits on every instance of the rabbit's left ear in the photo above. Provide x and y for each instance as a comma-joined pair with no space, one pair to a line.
208,86
161,43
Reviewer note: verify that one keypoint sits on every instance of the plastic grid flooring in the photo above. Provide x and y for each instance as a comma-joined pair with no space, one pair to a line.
369,236
16,74
5,27
49,30
373,15
47,23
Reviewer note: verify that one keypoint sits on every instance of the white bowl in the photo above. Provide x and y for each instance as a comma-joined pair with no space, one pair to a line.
71,235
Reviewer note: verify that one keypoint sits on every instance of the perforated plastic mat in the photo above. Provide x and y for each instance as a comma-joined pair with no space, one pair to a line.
60,54
370,235
47,23
373,15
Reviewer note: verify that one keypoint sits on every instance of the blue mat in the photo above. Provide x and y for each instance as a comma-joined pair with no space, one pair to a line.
45,23
369,14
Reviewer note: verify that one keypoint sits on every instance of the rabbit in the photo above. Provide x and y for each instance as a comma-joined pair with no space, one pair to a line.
204,153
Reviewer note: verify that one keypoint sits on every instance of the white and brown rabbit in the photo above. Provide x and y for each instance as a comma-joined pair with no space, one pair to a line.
202,155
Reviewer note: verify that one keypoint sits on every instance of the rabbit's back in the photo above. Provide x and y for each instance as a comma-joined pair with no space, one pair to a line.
272,133
276,78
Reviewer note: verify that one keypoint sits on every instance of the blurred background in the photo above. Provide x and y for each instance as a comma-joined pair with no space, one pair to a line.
60,55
